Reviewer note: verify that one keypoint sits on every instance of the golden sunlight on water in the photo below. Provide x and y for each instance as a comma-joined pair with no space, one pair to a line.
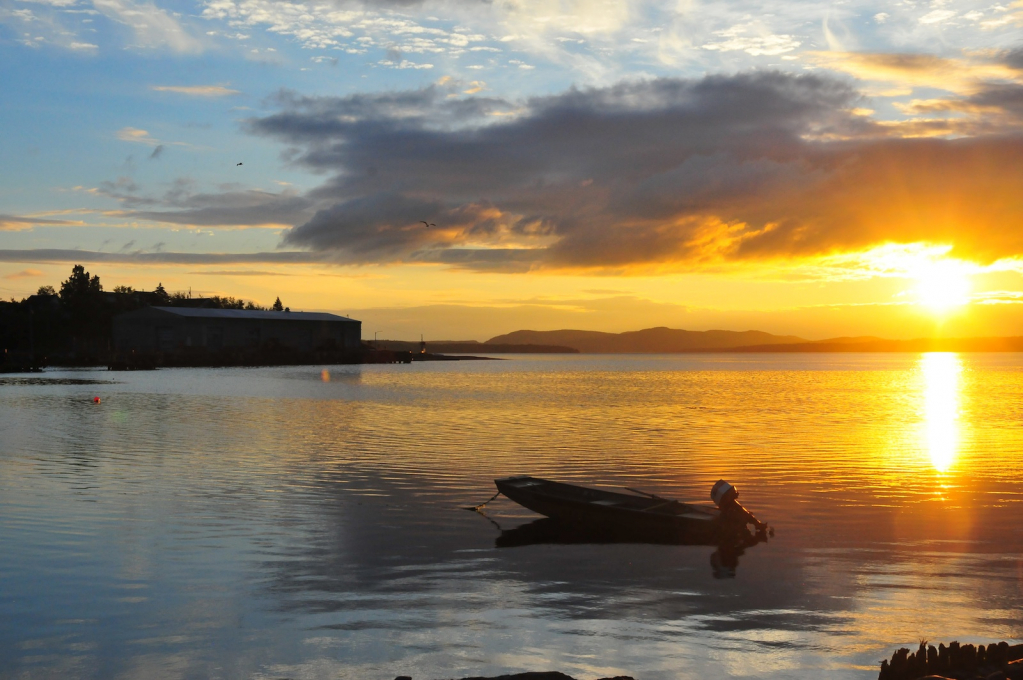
940,371
306,522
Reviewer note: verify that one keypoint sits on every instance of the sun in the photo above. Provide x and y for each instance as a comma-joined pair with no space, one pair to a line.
942,285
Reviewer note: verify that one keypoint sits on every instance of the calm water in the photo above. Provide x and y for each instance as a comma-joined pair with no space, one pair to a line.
266,523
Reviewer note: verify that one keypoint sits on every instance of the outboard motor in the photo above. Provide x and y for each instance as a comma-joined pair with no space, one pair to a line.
725,496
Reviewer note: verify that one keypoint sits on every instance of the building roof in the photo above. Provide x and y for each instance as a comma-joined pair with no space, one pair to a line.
205,313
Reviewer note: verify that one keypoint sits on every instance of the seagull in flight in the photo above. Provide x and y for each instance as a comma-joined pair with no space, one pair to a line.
428,224
237,164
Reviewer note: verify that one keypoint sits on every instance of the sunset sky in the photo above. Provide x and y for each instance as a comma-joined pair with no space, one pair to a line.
818,169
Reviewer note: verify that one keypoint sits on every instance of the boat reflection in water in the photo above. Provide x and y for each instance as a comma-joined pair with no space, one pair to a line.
724,561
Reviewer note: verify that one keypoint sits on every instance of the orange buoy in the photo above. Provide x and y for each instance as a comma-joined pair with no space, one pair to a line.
325,375
95,400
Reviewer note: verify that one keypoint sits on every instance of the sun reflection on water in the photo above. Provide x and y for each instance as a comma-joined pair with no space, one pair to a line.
941,407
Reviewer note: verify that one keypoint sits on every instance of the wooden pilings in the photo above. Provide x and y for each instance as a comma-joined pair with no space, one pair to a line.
961,660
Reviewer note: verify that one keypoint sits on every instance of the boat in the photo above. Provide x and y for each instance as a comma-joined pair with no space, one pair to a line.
647,514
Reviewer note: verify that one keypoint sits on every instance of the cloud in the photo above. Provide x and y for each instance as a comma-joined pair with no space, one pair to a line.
48,255
990,107
937,16
231,207
659,173
249,208
760,43
19,222
919,70
1014,58
54,3
130,134
197,90
353,27
153,27
239,272
25,274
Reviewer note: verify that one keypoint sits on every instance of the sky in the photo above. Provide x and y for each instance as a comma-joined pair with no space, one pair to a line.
811,168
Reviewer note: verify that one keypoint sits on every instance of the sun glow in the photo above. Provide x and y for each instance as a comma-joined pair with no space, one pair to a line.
942,285
941,407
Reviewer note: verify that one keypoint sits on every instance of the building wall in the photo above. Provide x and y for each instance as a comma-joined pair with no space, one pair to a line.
155,331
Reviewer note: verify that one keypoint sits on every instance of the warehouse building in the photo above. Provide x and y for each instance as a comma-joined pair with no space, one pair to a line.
190,329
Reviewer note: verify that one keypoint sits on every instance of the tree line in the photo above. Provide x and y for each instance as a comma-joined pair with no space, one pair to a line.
77,319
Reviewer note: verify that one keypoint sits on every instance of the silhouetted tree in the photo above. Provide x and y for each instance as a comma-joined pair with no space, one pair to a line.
80,287
123,289
161,293
278,307
87,317
46,290
228,302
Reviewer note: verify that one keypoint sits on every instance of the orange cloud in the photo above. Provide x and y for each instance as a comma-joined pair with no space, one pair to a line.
197,90
25,274
20,222
963,76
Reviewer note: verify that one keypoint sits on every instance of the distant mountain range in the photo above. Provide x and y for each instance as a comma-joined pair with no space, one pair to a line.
652,340
670,341
472,347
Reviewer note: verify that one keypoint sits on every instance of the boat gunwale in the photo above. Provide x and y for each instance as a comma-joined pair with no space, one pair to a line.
640,506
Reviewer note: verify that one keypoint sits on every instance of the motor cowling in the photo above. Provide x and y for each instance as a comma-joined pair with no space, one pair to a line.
722,492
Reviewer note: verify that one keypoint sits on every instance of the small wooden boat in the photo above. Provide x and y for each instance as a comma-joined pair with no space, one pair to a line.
618,511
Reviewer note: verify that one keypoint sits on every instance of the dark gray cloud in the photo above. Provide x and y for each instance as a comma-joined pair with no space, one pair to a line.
1014,58
1007,98
243,208
756,165
181,204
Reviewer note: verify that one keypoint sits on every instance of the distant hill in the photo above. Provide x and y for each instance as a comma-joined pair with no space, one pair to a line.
858,339
668,341
652,340
472,347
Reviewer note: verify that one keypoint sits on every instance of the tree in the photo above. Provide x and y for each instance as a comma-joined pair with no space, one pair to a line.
123,289
278,307
80,286
87,316
226,302
46,290
161,293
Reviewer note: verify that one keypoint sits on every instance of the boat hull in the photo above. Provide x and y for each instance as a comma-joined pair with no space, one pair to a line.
616,512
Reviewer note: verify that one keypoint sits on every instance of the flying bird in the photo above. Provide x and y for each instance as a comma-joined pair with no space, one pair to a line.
237,164
428,224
